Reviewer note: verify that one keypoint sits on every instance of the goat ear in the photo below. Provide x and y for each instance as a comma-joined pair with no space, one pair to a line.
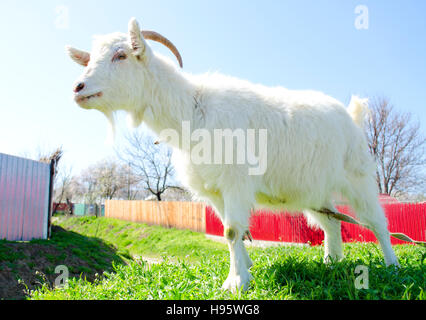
81,57
135,35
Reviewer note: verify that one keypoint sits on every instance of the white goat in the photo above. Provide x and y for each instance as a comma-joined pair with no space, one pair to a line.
315,147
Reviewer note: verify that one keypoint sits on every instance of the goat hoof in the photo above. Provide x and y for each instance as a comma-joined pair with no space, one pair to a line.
394,263
332,259
235,283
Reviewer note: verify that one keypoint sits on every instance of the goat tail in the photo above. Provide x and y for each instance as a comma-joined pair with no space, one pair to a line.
358,110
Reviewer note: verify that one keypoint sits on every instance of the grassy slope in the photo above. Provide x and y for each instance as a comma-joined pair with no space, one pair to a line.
24,265
200,266
134,239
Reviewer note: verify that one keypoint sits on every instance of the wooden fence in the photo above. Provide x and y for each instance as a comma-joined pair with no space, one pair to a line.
179,215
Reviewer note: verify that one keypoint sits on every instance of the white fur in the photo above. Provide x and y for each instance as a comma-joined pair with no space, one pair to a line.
316,147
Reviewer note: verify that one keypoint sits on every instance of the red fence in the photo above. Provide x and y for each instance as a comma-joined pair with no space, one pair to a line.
409,219
61,207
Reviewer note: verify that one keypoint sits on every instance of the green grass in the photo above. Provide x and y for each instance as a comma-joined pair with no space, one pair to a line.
197,267
134,239
24,265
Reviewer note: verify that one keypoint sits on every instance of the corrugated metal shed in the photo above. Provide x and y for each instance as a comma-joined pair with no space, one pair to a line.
24,198
81,209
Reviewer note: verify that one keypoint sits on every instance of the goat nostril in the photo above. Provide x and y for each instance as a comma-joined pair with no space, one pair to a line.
79,87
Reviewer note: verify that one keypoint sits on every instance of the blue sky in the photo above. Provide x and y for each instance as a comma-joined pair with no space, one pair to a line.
296,44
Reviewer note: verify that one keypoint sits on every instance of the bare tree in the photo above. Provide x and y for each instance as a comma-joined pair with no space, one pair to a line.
63,187
396,142
108,178
52,157
86,188
100,181
150,161
131,187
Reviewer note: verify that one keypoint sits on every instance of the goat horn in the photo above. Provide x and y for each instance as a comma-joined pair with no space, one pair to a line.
155,36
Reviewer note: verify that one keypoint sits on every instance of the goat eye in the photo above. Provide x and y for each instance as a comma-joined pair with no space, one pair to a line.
120,56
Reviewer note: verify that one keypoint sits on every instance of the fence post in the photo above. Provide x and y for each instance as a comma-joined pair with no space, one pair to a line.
50,206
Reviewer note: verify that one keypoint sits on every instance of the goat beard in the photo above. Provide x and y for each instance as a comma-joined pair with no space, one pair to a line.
111,125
